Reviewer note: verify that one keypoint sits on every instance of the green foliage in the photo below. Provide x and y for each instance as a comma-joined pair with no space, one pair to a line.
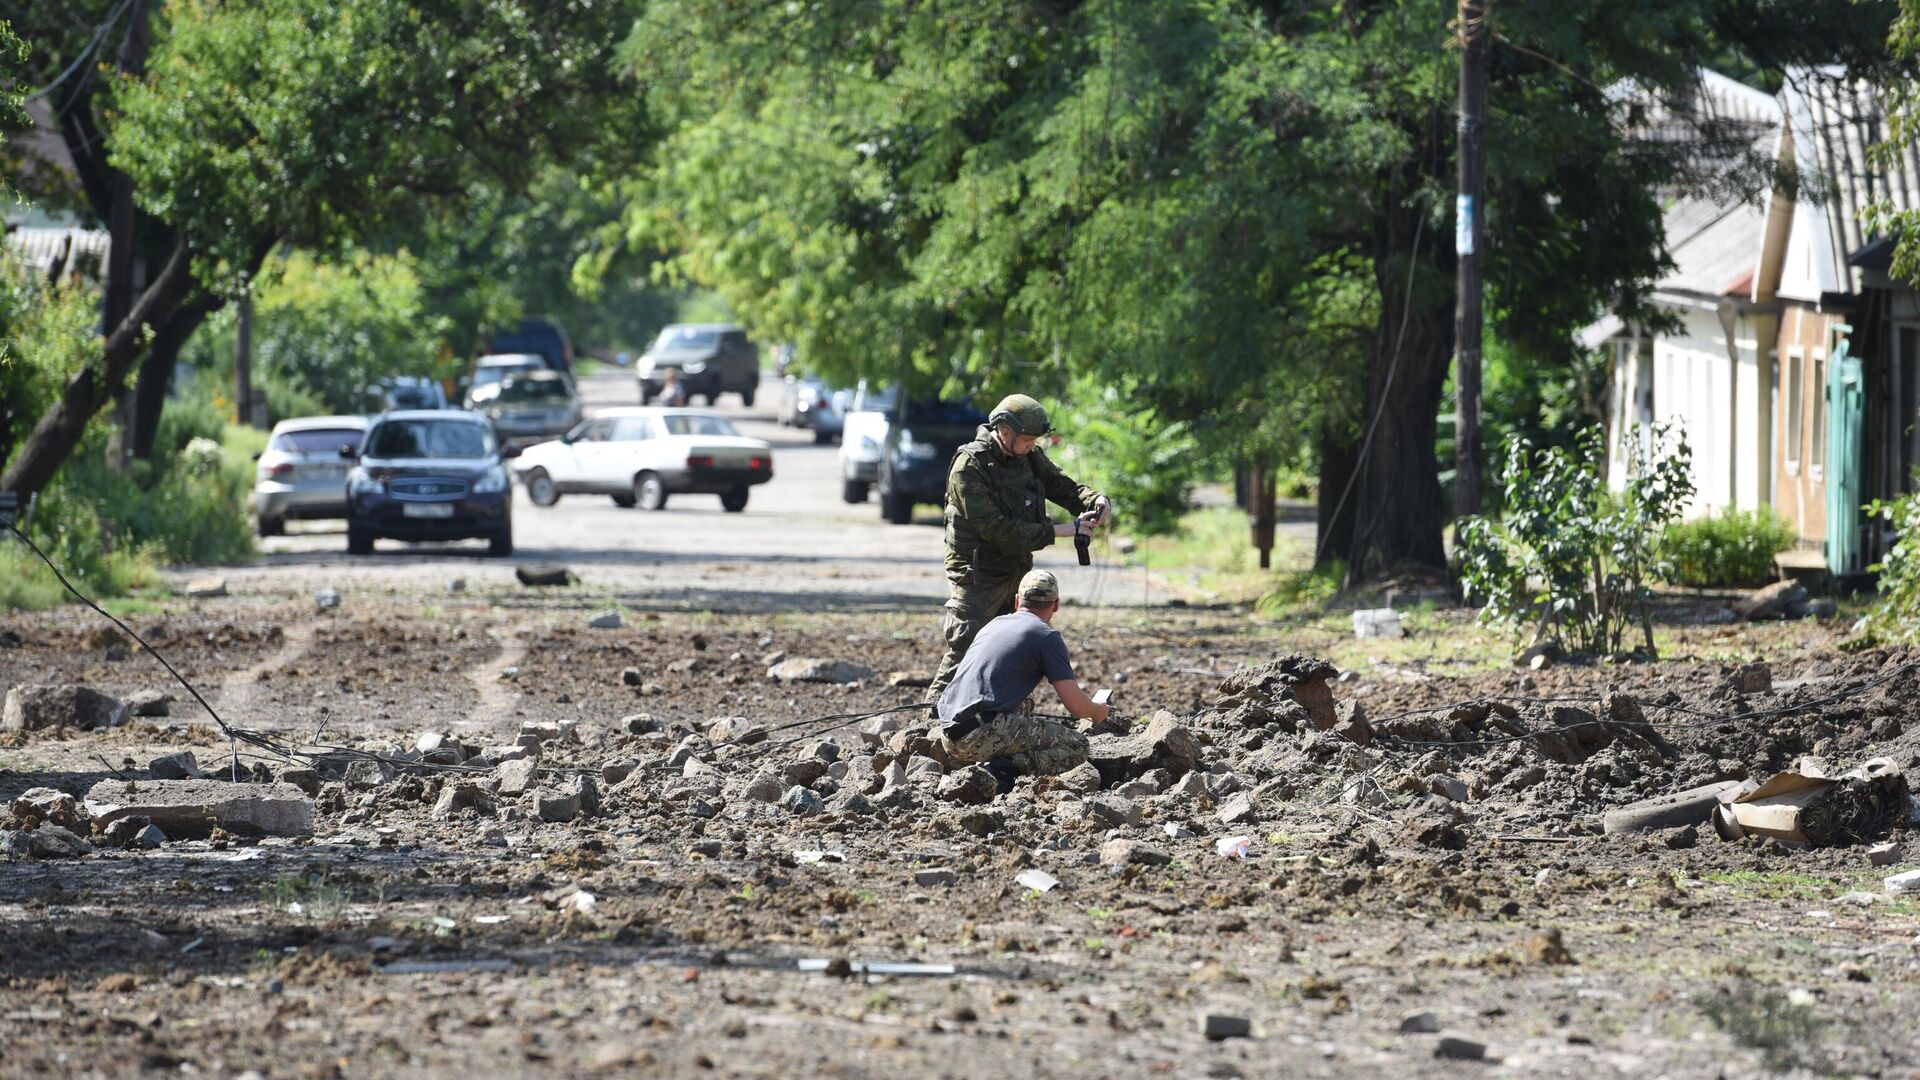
47,332
1789,1036
1142,462
1570,558
1896,616
1732,549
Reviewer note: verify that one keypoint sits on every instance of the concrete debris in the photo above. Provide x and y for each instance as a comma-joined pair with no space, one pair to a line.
1377,623
205,588
34,707
555,806
1236,810
134,832
1268,689
585,792
150,703
326,599
1884,854
1420,1023
1124,852
180,766
1904,883
517,777
1165,744
1754,678
45,842
459,796
1448,787
812,669
1770,602
1692,806
736,729
1459,1048
802,802
931,876
1219,1026
1112,811
540,576
973,785
606,620
196,807
48,806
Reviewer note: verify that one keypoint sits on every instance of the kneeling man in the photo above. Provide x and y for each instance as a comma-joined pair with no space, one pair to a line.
1007,661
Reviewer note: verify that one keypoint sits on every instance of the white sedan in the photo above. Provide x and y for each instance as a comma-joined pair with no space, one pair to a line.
640,456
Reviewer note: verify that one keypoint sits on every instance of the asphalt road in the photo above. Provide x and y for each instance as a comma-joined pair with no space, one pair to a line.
796,543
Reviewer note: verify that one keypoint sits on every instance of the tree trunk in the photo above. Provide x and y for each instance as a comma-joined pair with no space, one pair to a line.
149,392
1400,511
1333,519
65,422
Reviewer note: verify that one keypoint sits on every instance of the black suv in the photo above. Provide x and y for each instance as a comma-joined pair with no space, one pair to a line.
921,440
712,358
429,476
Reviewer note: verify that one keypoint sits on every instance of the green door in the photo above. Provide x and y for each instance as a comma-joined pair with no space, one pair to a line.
1846,416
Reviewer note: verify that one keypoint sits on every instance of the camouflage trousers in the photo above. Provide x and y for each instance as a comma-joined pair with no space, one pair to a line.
970,606
1037,747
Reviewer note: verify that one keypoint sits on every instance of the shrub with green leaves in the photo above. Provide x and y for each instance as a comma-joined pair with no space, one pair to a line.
1127,450
1733,549
1896,616
1569,558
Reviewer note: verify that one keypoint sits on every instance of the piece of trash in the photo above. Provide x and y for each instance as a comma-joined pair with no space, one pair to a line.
1233,847
1218,1026
1885,854
885,967
491,920
1377,623
326,599
545,575
1904,883
442,967
1177,831
1811,805
807,858
581,902
935,875
444,923
1037,880
192,945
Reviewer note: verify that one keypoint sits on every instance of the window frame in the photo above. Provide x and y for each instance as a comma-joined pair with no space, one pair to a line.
1796,401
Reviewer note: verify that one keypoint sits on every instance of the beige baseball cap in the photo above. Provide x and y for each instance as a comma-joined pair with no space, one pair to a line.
1039,587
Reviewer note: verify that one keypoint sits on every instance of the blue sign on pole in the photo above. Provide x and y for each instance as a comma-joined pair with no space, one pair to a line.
1463,225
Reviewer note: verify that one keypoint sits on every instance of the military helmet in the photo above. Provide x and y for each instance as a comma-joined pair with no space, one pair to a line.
1023,414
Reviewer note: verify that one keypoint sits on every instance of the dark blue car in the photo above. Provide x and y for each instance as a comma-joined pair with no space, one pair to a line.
429,476
921,440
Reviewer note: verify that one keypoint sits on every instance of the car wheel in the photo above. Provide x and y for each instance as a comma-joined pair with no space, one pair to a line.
821,438
359,541
646,393
541,488
896,508
500,545
853,491
624,502
746,395
734,501
272,526
650,491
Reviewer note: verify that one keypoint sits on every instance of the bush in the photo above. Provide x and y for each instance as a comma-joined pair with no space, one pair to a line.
1896,617
1145,465
1733,549
1571,558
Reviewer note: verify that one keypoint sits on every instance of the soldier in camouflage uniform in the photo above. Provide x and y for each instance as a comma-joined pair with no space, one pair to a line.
997,494
1011,656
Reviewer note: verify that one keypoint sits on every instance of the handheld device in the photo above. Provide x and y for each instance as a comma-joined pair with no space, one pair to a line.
1083,544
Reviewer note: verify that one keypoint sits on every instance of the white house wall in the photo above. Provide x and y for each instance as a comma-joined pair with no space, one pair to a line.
1691,390
1806,272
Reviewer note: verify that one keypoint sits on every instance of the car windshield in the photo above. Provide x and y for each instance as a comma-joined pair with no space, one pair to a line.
879,400
484,375
539,390
694,424
412,397
429,439
953,413
316,440
686,337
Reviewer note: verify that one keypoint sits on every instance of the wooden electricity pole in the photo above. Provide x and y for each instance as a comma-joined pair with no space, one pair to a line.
243,363
1469,212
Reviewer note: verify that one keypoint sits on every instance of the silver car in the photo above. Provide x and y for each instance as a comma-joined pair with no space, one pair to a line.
301,473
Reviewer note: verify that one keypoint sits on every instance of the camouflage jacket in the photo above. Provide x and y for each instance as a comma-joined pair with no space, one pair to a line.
997,508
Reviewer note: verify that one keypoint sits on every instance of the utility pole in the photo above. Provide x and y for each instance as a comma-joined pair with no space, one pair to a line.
1469,211
122,269
243,362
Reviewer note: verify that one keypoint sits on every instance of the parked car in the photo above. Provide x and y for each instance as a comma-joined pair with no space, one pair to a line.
863,429
300,474
429,476
811,403
405,392
529,406
490,369
641,456
538,337
712,358
918,452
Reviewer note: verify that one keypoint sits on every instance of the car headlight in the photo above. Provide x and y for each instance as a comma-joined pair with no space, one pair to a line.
694,367
359,483
491,482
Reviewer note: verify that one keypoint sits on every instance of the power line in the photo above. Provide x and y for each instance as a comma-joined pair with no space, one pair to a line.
99,35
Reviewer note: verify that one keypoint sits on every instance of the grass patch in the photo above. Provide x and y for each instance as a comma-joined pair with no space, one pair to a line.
1211,552
1788,1035
1776,885
315,896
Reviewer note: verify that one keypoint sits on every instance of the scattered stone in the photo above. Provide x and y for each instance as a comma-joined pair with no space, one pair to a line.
458,584
459,796
1459,1048
197,807
1451,788
47,842
326,599
515,752
307,780
1219,1026
150,703
1540,662
585,792
180,766
910,679
1420,1023
766,788
1377,623
981,822
33,707
1352,724
366,774
517,777
1177,831
1754,678
205,588
813,669
973,785
134,832
614,772
1238,809
555,806
1884,854
804,773
630,676
1112,810
1301,680
639,724
684,666
932,876
606,620
545,575
1083,778
802,802
736,729
1770,602
1122,852
48,806
1548,947
1165,744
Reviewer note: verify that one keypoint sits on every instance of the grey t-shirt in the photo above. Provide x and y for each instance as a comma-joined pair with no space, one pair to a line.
1008,659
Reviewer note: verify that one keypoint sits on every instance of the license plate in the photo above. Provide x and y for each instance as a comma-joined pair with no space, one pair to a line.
427,510
324,473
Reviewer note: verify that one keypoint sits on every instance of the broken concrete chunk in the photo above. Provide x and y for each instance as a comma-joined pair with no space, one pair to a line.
814,669
972,785
1112,810
545,575
802,802
1448,787
196,807
134,832
150,703
1164,744
180,766
517,777
48,806
1377,623
45,842
585,792
1884,854
1122,852
931,876
606,620
1299,679
735,729
1754,678
38,706
1237,809
205,588
556,806
1218,1026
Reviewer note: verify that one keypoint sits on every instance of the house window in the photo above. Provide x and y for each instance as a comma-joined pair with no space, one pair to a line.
1817,449
1796,361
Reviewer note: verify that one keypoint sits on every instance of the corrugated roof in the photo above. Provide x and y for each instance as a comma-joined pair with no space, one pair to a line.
38,248
1714,237
1835,122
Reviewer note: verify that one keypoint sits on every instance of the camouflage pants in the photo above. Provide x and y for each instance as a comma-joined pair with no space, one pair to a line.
1037,747
970,606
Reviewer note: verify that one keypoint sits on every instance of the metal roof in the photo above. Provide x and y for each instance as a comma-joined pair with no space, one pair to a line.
1835,122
